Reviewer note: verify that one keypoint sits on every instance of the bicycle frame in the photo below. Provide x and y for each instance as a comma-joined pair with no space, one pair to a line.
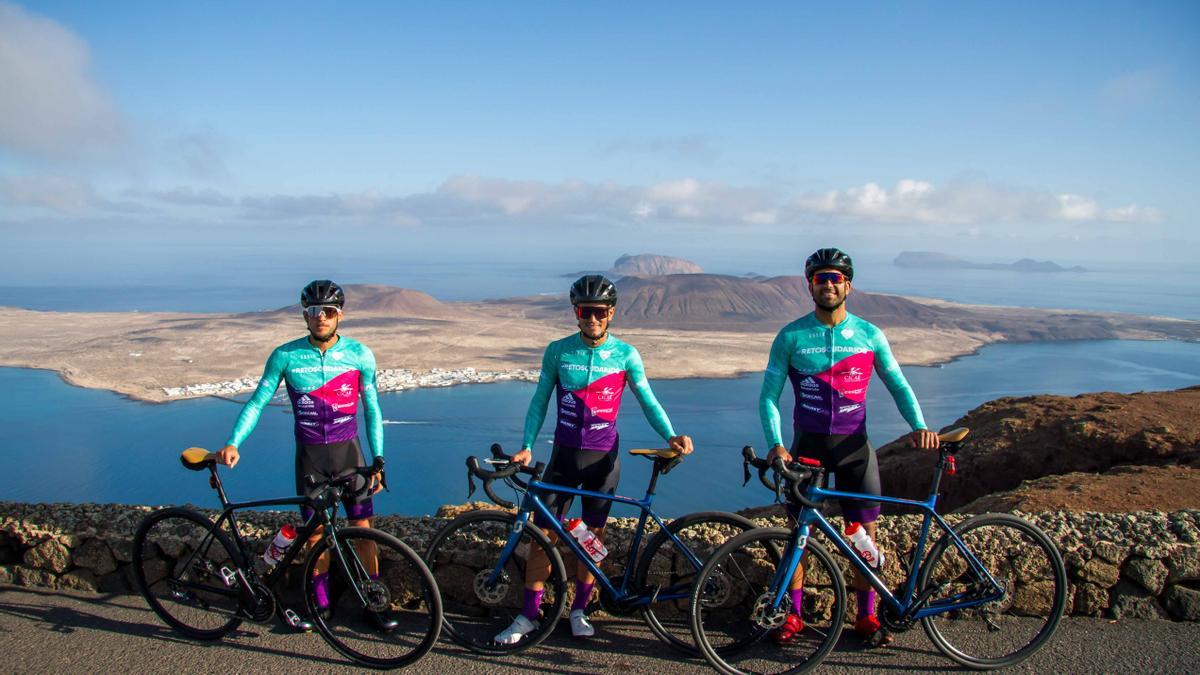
532,503
907,605
320,517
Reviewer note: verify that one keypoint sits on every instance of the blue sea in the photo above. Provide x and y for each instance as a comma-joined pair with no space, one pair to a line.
81,445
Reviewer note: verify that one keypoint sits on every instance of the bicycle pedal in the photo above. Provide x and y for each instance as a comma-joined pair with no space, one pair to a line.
291,617
228,576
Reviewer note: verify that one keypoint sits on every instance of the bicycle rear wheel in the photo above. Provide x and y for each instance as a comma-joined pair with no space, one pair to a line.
1018,619
664,568
733,610
178,558
385,610
463,556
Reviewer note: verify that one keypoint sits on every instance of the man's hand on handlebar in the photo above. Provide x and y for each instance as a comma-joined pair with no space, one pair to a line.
524,457
228,456
378,481
923,439
779,451
681,444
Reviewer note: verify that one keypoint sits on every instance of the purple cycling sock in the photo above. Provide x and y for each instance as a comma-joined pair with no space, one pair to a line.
321,590
533,604
797,601
583,593
866,602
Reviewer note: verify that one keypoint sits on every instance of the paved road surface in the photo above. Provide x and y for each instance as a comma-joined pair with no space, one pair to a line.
49,631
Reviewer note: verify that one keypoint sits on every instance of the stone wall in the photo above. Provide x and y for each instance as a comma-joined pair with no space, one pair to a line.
1141,565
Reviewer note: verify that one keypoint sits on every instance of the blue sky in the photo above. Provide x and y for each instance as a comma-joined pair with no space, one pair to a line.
145,137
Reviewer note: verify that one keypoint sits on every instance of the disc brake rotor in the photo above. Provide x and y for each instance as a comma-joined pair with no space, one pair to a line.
765,615
494,594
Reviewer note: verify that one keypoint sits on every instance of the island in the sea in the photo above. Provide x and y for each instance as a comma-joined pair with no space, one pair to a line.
932,260
685,325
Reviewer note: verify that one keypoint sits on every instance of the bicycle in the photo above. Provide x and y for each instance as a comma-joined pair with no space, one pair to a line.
989,594
479,559
200,576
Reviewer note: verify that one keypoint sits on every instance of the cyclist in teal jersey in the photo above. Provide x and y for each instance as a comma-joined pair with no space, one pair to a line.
586,373
828,356
327,375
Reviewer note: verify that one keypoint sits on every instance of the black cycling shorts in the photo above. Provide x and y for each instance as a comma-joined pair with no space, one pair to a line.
595,470
850,459
330,460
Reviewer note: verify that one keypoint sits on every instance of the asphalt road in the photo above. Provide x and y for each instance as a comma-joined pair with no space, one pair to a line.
51,631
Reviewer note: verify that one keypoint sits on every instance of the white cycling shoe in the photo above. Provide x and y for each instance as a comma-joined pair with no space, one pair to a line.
580,626
519,628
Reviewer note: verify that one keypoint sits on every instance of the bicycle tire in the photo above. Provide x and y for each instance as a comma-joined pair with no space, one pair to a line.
1033,608
730,613
461,556
402,590
664,568
177,557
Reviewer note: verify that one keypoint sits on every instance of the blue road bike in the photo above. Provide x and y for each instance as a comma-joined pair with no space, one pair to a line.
989,593
479,559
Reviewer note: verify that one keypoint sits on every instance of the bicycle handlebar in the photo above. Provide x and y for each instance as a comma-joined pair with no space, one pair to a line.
507,473
794,473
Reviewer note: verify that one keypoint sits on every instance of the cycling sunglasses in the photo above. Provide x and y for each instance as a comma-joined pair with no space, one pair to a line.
832,277
328,311
591,312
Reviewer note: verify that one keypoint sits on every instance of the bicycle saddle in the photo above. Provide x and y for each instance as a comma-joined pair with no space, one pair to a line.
665,453
197,459
954,435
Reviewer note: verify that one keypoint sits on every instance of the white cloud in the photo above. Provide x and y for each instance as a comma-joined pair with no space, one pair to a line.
55,193
50,106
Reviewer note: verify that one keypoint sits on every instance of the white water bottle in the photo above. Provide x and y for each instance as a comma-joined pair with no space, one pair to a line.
857,534
279,545
587,540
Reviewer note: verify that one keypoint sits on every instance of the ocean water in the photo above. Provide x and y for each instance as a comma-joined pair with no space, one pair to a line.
79,445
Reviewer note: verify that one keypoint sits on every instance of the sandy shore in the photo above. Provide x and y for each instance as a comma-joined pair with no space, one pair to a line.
166,356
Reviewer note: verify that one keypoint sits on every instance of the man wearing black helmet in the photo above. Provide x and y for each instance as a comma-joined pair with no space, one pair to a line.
326,376
828,355
586,372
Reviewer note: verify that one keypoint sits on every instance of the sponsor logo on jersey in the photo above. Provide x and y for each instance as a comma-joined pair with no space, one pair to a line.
847,333
569,425
814,397
853,374
345,390
809,383
567,413
583,368
339,406
337,356
602,411
849,408
812,350
308,423
606,394
812,408
306,413
604,353
305,401
310,369
599,425
850,392
568,399
342,419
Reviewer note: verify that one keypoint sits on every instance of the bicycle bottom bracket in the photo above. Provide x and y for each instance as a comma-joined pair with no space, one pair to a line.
494,594
377,595
716,591
765,615
261,606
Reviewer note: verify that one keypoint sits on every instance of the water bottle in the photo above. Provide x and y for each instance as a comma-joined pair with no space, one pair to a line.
587,539
858,536
279,545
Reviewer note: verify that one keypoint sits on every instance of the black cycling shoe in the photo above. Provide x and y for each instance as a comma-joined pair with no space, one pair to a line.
382,621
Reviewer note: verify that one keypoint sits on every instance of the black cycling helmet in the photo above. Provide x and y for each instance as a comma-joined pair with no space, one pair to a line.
829,258
593,288
322,292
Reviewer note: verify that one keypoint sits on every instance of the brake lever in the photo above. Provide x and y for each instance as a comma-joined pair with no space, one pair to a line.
745,472
470,484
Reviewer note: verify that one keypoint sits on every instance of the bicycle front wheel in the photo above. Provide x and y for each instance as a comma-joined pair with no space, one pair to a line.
1015,620
735,616
465,555
668,571
384,609
180,562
